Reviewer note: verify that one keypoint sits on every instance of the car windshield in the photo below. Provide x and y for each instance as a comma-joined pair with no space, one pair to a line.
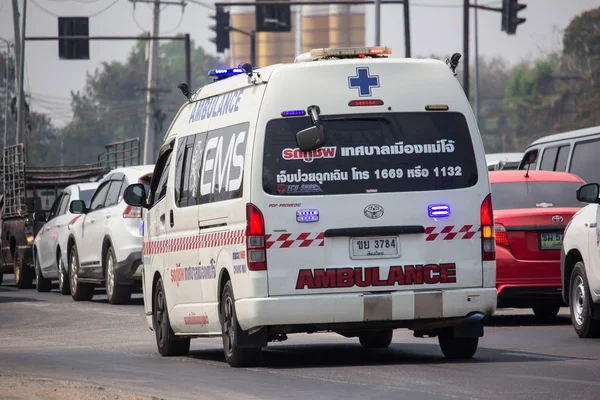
531,194
369,153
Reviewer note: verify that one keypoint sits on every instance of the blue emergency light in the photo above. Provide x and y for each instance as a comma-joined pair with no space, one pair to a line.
307,215
290,113
222,73
438,210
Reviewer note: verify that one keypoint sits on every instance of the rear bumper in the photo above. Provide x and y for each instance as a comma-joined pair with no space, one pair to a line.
528,294
363,307
130,269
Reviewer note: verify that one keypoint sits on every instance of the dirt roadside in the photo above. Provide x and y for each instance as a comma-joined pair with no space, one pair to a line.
34,388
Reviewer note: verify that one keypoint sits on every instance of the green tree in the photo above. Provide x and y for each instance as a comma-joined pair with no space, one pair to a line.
111,106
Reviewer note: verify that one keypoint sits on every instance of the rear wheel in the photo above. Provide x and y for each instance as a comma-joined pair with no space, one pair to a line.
456,347
64,287
376,339
23,274
1,278
41,284
546,311
581,305
116,293
79,291
235,355
168,343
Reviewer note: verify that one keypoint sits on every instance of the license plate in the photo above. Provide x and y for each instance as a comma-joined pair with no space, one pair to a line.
551,240
374,247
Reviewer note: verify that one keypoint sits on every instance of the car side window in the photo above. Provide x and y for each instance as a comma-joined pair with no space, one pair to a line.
529,159
64,204
548,159
162,184
561,159
585,162
159,178
99,197
114,192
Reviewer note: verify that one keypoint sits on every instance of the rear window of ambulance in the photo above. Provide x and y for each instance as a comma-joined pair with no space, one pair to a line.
371,153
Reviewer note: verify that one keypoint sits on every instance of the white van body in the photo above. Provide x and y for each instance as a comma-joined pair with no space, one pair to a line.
574,151
349,243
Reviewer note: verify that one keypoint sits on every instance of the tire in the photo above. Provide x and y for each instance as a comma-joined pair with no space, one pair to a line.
42,284
116,293
457,348
1,278
581,305
376,339
64,286
79,291
235,355
23,274
546,311
167,342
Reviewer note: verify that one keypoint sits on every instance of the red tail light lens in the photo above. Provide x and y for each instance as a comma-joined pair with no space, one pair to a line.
256,249
132,212
501,235
70,224
488,242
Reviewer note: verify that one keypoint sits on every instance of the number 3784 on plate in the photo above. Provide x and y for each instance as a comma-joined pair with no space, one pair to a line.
374,247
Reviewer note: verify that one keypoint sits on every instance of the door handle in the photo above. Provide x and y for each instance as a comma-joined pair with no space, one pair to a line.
108,215
162,218
593,225
171,218
92,220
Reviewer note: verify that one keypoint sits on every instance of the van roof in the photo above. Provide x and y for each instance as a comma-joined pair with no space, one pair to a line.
567,135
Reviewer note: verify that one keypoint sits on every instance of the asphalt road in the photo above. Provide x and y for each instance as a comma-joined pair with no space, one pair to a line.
49,335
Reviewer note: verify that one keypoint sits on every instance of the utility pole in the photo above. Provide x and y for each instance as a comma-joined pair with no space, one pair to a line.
21,95
476,65
466,10
151,94
406,29
6,86
377,22
15,4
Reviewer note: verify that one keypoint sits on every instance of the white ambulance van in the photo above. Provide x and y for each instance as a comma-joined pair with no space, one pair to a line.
345,192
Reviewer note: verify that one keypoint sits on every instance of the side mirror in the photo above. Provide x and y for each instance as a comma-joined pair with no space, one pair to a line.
77,207
40,216
588,193
135,195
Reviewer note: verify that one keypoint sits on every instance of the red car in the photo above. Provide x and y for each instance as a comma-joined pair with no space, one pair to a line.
531,211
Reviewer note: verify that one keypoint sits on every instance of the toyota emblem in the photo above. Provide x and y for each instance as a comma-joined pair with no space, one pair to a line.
557,218
373,211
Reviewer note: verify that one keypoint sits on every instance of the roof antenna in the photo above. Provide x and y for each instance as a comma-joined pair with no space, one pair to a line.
527,172
185,89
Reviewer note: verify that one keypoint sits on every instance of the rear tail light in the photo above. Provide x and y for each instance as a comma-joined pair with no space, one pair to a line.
488,242
70,224
132,212
256,249
501,235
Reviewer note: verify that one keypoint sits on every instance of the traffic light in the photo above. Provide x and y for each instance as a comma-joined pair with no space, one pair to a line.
73,49
273,18
510,20
221,29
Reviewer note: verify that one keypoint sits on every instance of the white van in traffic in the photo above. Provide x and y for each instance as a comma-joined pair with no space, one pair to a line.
346,192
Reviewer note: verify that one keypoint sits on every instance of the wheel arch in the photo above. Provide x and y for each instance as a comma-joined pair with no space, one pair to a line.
572,258
106,243
224,277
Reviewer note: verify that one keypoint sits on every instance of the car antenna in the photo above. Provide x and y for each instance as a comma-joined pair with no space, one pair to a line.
527,172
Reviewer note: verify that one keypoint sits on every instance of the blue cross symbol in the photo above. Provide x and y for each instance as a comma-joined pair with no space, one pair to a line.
363,81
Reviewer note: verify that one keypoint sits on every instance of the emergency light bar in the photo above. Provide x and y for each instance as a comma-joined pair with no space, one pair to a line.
222,73
351,52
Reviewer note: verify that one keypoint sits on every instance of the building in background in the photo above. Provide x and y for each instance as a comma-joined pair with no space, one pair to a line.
319,25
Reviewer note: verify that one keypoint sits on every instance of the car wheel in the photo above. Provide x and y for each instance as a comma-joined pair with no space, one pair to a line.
116,293
23,274
235,355
581,304
456,347
376,339
1,278
167,342
546,311
41,284
64,287
79,291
